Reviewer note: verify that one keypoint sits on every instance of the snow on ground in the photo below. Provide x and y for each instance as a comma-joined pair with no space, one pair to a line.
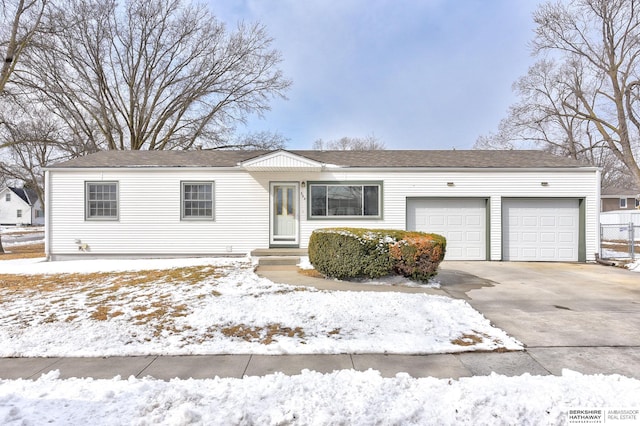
20,229
342,397
635,266
218,306
178,306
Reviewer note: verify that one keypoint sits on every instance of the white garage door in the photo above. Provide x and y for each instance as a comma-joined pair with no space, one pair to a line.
462,221
540,229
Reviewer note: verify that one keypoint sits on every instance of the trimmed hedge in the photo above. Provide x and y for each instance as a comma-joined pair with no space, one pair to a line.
346,253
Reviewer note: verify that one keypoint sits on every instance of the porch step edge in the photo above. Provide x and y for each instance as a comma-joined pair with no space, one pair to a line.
278,260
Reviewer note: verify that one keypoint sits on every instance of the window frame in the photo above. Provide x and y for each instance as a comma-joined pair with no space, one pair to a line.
19,213
7,197
623,203
183,217
363,184
87,201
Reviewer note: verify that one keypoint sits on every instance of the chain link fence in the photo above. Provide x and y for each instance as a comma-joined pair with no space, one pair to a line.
620,241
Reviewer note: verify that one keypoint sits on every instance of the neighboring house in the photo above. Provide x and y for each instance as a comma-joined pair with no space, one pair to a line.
20,206
619,199
490,205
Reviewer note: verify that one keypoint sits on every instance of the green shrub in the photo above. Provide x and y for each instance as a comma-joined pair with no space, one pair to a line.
346,253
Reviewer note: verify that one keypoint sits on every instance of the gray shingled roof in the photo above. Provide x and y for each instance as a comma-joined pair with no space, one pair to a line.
29,196
383,158
616,191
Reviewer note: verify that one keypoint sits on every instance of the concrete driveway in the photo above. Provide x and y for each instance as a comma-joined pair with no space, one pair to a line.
564,313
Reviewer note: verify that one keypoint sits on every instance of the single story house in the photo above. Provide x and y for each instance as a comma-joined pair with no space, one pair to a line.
619,199
490,205
20,206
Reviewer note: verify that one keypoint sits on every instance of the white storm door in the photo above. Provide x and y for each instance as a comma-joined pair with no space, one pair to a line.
284,214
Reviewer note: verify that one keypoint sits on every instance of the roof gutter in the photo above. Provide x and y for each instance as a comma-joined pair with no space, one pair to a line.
341,168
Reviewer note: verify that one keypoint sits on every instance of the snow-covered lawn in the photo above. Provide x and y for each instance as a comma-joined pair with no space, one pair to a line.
343,397
217,306
188,306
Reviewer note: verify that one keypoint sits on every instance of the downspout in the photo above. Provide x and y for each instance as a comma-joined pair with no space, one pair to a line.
47,215
598,207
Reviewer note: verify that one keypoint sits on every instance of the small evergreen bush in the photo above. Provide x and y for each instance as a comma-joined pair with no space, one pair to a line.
346,253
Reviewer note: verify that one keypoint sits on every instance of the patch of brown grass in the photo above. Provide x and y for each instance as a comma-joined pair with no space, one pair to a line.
106,293
468,340
264,335
28,251
48,283
310,273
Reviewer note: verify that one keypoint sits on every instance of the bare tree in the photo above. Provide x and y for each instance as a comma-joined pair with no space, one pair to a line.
367,143
152,74
543,119
592,97
20,23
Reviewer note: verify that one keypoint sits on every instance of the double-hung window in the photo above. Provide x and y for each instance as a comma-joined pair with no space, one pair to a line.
623,203
345,200
101,200
197,201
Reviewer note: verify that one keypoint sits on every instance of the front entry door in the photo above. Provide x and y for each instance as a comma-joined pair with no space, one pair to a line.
284,214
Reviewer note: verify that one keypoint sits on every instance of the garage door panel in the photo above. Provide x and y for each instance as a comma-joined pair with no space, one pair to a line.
455,220
566,237
472,236
473,220
462,221
544,229
453,236
435,220
566,221
548,237
547,221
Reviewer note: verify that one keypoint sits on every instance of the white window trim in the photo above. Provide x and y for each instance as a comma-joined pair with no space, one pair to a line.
86,201
623,203
213,201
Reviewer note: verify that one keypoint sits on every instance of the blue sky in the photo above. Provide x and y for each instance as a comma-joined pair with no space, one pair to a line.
416,74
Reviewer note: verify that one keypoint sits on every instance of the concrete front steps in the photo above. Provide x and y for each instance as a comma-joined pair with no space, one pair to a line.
284,257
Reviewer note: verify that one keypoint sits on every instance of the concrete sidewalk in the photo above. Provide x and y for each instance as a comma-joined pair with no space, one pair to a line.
535,361
575,316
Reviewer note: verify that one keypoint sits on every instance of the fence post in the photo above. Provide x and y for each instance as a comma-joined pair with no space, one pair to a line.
632,241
